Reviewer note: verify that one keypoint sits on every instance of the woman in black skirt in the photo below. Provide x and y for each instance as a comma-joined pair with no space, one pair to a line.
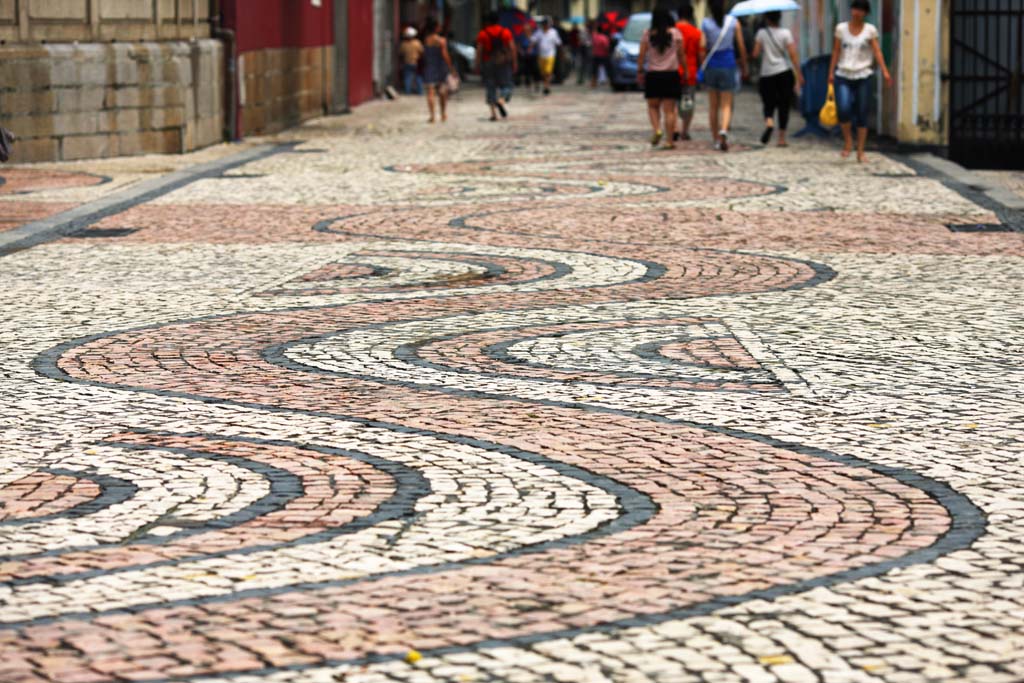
661,57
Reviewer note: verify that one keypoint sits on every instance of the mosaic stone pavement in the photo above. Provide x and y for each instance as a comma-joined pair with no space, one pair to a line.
515,402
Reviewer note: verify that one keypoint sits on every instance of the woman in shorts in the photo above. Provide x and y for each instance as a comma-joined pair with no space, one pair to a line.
662,54
725,41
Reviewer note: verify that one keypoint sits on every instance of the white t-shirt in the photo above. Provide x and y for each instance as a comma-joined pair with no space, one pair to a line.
774,59
856,60
547,42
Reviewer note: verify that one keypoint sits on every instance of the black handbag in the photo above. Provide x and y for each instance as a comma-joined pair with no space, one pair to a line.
6,140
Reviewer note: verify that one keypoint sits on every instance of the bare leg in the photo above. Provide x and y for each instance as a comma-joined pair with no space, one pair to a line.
685,120
726,116
668,110
847,139
430,102
653,114
862,138
443,96
713,102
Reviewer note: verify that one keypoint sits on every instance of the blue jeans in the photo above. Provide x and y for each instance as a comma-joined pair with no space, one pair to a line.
411,82
496,91
722,79
853,100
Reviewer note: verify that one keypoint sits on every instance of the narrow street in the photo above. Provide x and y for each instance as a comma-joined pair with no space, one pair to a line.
376,400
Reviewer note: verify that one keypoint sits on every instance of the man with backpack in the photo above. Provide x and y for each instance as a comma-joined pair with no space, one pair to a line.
496,60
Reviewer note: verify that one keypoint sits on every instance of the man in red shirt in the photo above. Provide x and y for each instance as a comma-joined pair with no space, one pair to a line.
695,47
496,60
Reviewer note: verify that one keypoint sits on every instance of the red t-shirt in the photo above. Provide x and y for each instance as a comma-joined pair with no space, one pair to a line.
691,40
600,45
487,36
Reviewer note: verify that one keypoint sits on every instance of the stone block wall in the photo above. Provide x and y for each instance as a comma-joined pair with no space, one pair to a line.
279,87
28,21
77,101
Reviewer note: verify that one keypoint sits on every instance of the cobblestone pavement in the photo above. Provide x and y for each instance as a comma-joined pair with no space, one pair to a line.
514,401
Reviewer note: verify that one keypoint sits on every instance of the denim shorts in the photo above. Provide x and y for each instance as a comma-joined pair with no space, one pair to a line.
719,78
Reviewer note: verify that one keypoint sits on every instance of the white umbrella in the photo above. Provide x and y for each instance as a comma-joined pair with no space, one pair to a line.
748,7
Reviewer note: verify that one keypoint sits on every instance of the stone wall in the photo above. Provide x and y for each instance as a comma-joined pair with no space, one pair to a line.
76,101
101,20
279,87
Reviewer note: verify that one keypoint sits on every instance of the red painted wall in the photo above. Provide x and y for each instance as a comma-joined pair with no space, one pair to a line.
261,24
360,51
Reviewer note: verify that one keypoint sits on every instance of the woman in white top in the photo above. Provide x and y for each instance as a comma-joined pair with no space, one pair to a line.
779,63
854,53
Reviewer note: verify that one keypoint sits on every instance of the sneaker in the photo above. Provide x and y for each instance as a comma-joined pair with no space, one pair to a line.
655,138
718,146
724,137
766,135
501,110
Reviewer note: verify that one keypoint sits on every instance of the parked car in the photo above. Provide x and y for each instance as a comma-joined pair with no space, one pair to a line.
627,48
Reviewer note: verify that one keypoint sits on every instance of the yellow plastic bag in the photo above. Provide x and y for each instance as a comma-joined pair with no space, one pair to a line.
828,116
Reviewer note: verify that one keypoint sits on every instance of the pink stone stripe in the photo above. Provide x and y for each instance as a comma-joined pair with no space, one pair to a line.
41,493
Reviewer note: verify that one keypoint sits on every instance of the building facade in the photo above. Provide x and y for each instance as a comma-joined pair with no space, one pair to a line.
96,78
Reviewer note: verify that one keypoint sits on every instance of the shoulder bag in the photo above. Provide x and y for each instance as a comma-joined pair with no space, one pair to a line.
714,49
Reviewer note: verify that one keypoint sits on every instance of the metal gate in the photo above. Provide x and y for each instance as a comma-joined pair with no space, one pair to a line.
985,95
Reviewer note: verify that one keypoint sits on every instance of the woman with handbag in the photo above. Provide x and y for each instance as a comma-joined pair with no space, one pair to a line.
437,66
780,73
722,32
854,53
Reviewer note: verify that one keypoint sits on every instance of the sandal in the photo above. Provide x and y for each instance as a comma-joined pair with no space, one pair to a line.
655,138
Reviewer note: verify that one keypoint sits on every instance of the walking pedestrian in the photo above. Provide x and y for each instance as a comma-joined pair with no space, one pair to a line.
855,51
496,61
547,41
410,50
582,33
693,44
780,73
722,33
600,53
527,57
437,64
661,56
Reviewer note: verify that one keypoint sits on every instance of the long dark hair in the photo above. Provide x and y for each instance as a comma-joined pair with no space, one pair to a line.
717,8
430,26
661,23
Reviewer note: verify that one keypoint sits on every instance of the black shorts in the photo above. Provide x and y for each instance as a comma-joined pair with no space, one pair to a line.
663,85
